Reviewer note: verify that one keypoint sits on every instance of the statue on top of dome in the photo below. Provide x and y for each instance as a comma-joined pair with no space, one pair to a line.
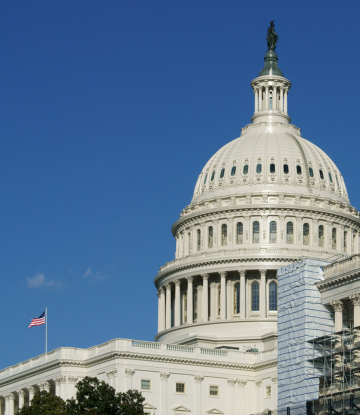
272,37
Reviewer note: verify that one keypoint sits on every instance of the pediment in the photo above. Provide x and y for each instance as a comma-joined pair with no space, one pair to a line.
148,407
214,411
181,410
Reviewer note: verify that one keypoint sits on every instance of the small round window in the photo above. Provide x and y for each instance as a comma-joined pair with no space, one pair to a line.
330,177
233,170
286,169
212,175
321,174
246,169
258,168
298,169
311,172
222,173
205,178
272,168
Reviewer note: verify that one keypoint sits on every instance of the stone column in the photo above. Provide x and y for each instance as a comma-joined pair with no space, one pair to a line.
9,404
163,392
162,311
267,106
21,394
355,298
260,98
231,383
338,306
129,373
177,304
263,293
190,296
241,398
205,303
256,99
197,395
276,96
72,380
168,306
223,295
32,391
59,381
242,294
285,101
281,99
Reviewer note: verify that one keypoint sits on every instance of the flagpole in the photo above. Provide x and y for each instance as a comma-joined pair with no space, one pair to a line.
46,330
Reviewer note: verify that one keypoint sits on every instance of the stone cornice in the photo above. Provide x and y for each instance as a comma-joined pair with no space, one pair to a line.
338,280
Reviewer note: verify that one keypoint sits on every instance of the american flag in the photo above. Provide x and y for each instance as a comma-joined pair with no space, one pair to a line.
38,321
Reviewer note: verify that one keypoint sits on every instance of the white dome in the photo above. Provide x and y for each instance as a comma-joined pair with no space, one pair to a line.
278,145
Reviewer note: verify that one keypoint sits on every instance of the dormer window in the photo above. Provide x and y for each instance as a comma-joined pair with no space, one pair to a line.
311,172
258,168
298,169
246,169
330,177
212,176
222,173
321,174
286,169
272,168
233,170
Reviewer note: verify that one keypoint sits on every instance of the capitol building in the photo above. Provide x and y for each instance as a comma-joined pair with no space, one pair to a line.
264,200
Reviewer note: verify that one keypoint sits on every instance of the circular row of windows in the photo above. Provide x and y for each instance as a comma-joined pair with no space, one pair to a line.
272,170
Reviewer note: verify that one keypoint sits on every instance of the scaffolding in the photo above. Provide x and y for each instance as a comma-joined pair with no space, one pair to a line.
336,363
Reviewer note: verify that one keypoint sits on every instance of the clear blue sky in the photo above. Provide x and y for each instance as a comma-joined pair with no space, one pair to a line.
108,112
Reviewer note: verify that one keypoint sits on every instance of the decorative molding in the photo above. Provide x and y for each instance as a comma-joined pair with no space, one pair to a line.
129,372
59,379
205,276
9,397
21,392
198,378
31,389
44,386
274,379
231,382
72,379
258,382
164,375
355,298
111,373
337,305
242,382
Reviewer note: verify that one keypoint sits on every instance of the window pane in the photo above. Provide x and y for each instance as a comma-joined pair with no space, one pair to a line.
246,169
286,169
195,302
273,232
255,296
233,170
311,171
198,239
258,168
321,174
214,390
212,175
256,232
210,239
272,168
180,387
224,235
239,233
222,173
273,296
237,298
330,177
298,169
219,300
289,233
306,234
321,236
205,178
145,384
334,238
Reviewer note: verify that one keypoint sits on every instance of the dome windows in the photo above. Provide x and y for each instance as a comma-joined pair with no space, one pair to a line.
333,238
321,236
222,173
246,169
237,298
337,180
212,176
205,178
233,170
289,233
258,168
272,168
256,232
239,233
272,232
330,177
255,297
210,237
273,296
198,239
306,234
224,234
311,172
298,169
321,174
286,168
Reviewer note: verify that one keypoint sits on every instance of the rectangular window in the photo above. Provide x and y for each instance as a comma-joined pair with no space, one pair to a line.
180,387
214,390
145,384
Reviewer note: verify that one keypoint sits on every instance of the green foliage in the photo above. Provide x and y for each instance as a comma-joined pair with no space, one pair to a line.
43,403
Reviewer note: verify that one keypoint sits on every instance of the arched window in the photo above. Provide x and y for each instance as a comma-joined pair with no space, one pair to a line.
258,168
233,170
195,303
219,300
184,306
306,234
239,233
222,173
210,237
212,176
286,169
273,296
333,238
237,298
255,303
189,243
298,169
256,232
311,172
289,233
246,169
272,232
205,178
198,239
224,235
272,168
330,177
345,241
321,236
321,174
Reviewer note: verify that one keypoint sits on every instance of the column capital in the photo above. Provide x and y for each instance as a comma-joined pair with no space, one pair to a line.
31,389
205,276
158,293
72,379
198,378
337,305
177,283
355,298
231,382
129,373
223,274
263,272
242,272
258,382
190,279
164,375
21,392
9,396
167,286
60,379
161,290
242,382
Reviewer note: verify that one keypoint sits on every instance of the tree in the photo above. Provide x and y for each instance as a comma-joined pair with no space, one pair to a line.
94,397
45,403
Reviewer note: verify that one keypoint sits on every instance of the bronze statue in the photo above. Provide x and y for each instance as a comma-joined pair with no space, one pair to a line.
272,37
